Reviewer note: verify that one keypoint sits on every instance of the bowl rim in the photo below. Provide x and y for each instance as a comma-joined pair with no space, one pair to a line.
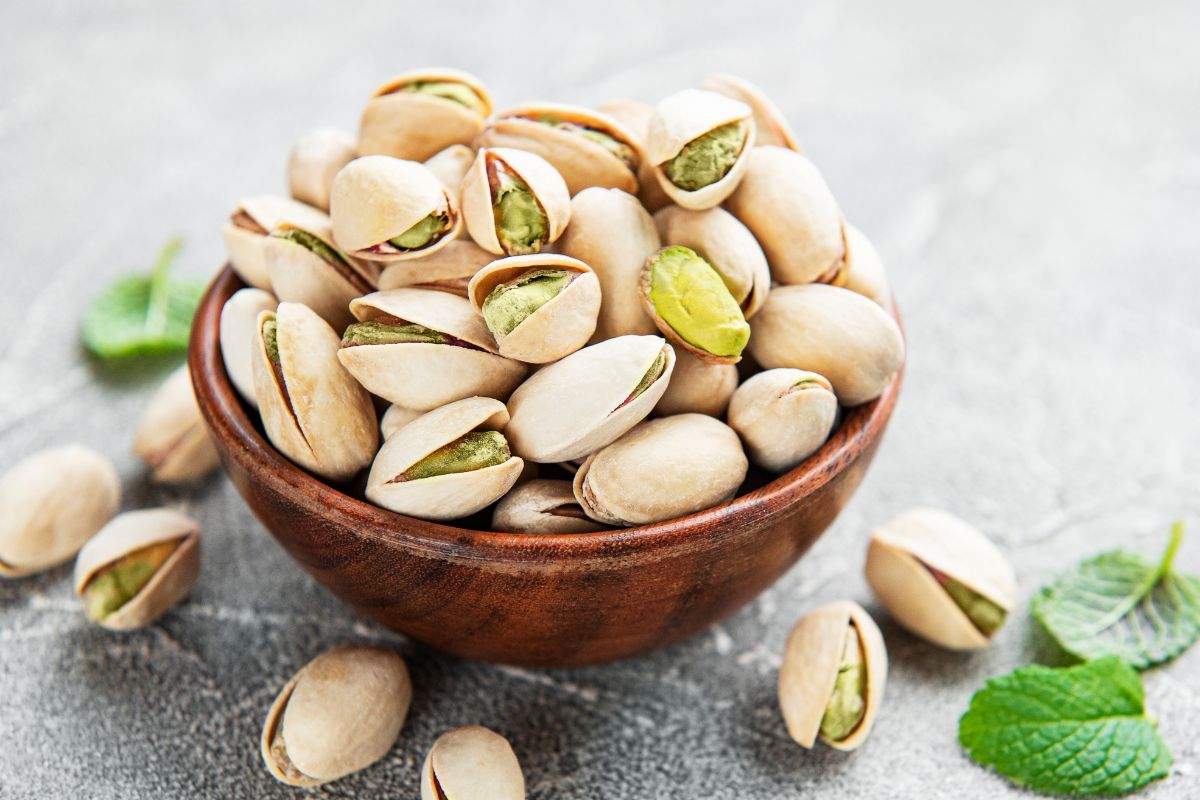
225,414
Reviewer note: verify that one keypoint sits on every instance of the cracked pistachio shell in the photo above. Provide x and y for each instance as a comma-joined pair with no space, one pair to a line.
543,181
423,375
52,502
314,161
417,125
635,115
472,763
395,418
697,387
783,416
692,307
171,581
450,269
249,225
683,117
832,331
557,328
451,165
720,239
317,416
543,507
614,235
864,271
900,558
339,714
788,207
311,271
771,128
575,406
449,496
662,469
377,198
810,667
581,161
171,437
239,321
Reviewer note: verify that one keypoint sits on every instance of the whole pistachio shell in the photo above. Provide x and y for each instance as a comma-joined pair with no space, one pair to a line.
662,469
469,763
941,578
514,202
52,502
314,161
692,306
171,437
419,113
138,567
252,222
783,416
699,143
339,714
809,675
451,165
635,115
542,506
305,267
395,418
771,126
450,269
864,271
720,239
239,320
834,332
697,386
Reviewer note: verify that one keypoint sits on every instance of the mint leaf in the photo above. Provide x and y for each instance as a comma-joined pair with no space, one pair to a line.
142,315
1080,730
1121,605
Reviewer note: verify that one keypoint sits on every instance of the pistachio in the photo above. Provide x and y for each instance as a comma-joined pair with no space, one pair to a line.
52,502
305,267
339,714
252,222
864,271
314,161
449,269
783,416
832,678
472,763
635,116
514,202
451,165
138,567
727,245
699,142
543,507
771,128
171,437
417,114
941,578
395,418
692,306
239,318
697,386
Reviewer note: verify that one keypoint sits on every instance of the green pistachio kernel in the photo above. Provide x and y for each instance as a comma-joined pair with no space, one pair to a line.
120,581
270,334
383,333
986,615
476,450
424,233
521,224
847,705
447,90
690,297
510,304
312,243
654,373
609,143
708,158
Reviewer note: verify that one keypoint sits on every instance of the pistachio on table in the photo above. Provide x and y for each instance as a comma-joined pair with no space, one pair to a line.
514,202
252,222
314,161
339,714
419,113
865,273
783,416
699,143
138,567
171,437
726,244
239,320
771,128
472,763
833,675
692,306
449,269
305,267
697,386
941,578
542,506
635,115
395,418
451,165
52,502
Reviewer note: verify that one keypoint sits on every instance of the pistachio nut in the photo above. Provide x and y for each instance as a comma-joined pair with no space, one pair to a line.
833,675
138,567
339,714
313,411
171,438
472,763
865,273
699,142
514,202
575,406
239,320
692,306
450,269
662,469
252,222
771,128
726,244
540,307
384,209
419,113
834,332
941,578
305,267
451,165
788,207
587,148
52,502
697,386
635,115
446,464
314,161
783,416
421,349
544,507
614,235
395,418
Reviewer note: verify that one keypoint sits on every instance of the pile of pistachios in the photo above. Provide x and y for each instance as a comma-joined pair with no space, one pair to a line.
632,303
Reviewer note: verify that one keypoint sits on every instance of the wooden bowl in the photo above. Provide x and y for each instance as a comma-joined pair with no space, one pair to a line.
562,600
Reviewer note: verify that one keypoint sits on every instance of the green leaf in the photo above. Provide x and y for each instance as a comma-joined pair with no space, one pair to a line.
1078,730
141,315
1121,605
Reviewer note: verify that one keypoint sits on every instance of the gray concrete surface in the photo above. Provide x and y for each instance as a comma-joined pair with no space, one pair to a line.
1030,171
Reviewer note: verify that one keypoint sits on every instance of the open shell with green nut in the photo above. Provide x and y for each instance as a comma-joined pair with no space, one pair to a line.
771,127
305,267
514,202
419,113
255,219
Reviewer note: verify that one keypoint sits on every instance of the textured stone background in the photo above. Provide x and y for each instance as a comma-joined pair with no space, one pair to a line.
1031,174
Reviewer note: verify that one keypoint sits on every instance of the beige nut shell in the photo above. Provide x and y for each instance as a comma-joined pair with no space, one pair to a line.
416,126
864,271
171,436
543,180
239,316
542,506
472,763
395,418
697,387
313,162
772,127
897,561
299,275
810,665
724,242
783,416
451,165
269,212
635,115
447,270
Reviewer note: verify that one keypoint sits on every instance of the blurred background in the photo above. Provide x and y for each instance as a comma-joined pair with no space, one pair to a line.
1030,173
